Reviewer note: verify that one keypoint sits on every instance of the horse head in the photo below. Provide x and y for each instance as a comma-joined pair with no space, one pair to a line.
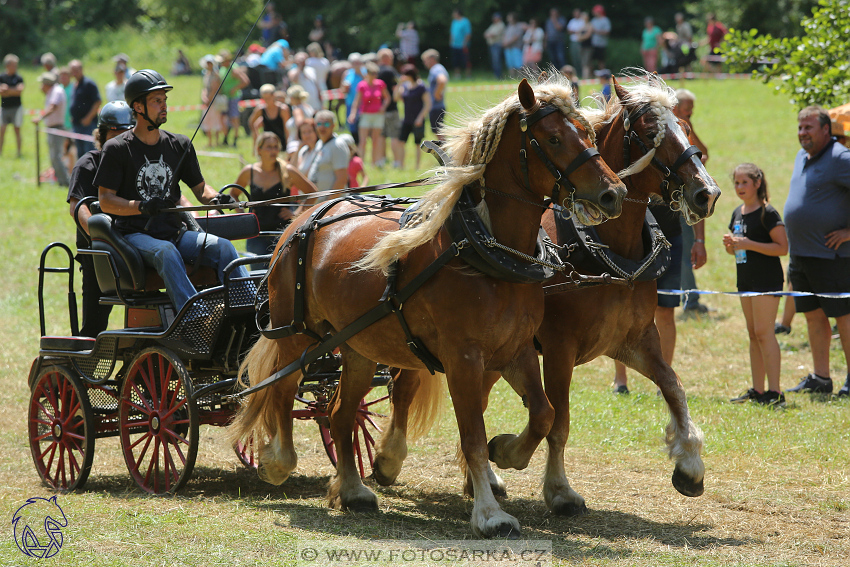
658,138
564,143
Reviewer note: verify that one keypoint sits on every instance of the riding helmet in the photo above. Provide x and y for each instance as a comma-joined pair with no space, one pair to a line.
116,115
144,82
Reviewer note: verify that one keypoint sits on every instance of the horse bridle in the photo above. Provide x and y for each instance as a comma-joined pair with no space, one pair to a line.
671,176
561,177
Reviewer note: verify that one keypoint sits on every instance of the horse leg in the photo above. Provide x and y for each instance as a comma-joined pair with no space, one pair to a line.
497,485
515,451
346,490
392,446
560,498
465,380
684,439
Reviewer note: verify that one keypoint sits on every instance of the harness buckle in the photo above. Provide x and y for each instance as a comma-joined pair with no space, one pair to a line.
523,153
523,124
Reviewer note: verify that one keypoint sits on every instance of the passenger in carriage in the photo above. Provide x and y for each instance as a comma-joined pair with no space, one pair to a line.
135,184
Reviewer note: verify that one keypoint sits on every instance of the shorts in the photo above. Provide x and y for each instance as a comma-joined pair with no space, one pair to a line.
13,116
392,124
436,117
417,131
820,275
233,108
371,120
672,278
458,57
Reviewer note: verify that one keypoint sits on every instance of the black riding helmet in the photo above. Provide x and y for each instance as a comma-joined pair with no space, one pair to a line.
116,115
140,84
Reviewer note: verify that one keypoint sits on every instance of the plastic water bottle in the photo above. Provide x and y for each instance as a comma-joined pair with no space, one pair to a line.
738,230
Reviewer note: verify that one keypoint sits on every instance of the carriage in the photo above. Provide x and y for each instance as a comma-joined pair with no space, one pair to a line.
155,381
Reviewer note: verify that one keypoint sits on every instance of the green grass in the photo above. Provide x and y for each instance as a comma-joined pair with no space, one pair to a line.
776,481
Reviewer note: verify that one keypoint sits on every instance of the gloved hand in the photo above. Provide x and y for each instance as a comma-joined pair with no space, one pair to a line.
154,205
223,199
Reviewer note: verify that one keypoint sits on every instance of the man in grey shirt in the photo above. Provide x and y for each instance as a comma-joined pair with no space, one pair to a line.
329,169
817,215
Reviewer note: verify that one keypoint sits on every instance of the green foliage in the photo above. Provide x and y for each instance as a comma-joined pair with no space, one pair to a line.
210,20
813,68
779,17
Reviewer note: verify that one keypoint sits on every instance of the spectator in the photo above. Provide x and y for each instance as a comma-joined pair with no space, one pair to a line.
181,64
276,56
494,35
570,73
586,42
270,25
408,43
512,43
114,89
11,109
371,102
683,29
317,33
269,115
438,79
215,105
715,33
317,61
357,176
417,105
650,40
70,157
392,121
53,116
306,77
604,80
85,102
693,247
125,59
350,80
48,61
815,218
757,240
329,167
532,41
575,27
233,80
300,110
309,138
555,26
460,32
601,30
115,118
270,178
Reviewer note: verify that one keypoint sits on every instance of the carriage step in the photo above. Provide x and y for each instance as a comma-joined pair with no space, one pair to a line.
70,344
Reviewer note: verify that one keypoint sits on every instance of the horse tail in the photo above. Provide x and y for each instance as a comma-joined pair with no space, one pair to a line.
256,413
427,405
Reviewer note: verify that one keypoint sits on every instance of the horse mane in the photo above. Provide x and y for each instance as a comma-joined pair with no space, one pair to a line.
642,89
471,142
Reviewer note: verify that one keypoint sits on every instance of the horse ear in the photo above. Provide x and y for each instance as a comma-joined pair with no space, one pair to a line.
622,93
526,95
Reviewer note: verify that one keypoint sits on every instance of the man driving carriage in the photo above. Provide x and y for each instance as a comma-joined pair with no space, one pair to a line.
136,183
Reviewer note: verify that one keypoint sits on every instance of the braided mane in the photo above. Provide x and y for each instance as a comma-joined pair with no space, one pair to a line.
471,145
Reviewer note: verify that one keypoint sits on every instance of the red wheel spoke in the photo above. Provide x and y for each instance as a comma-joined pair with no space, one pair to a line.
358,453
69,415
177,436
147,408
147,438
53,447
168,414
169,460
74,464
40,437
373,402
153,462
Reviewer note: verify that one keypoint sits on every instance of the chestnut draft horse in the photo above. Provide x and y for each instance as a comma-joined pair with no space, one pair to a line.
612,320
467,321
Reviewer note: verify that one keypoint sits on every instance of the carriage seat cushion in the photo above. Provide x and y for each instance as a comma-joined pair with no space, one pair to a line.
235,226
71,344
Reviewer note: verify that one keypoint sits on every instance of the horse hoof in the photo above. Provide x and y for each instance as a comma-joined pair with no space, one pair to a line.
379,475
570,509
507,531
498,490
494,444
685,485
361,506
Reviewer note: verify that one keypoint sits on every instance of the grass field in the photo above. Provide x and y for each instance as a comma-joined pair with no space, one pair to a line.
777,482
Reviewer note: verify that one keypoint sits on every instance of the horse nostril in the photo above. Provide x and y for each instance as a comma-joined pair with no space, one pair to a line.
609,200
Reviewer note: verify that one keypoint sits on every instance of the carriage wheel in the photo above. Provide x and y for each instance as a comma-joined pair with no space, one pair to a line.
364,439
158,422
61,429
247,453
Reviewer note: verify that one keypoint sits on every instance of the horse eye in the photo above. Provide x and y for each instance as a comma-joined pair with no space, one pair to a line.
554,140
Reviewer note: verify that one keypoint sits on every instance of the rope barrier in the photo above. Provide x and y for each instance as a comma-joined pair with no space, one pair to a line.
836,295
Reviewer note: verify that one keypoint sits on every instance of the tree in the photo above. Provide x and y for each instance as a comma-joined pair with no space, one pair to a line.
813,68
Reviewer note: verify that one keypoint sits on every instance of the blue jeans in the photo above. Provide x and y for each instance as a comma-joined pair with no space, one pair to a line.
167,259
83,147
496,59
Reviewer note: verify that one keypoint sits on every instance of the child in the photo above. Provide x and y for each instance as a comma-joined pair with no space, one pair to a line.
355,164
757,240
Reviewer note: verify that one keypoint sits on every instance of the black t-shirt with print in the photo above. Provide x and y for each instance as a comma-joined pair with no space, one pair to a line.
82,185
13,81
135,170
760,272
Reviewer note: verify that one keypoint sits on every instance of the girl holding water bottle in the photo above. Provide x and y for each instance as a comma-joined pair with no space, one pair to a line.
757,240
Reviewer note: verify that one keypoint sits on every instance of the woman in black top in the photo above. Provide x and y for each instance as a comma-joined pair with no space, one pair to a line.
757,240
269,115
270,178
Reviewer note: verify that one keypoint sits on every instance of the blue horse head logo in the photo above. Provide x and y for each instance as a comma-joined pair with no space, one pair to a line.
38,527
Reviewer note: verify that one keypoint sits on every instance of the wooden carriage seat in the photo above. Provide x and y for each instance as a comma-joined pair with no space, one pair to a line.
134,276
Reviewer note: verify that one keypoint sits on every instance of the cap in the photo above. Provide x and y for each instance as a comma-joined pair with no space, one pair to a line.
50,78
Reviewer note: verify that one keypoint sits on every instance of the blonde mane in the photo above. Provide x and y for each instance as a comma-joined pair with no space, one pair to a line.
642,89
471,146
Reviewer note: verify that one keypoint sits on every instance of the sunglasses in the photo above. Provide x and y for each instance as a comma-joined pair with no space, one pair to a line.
327,124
